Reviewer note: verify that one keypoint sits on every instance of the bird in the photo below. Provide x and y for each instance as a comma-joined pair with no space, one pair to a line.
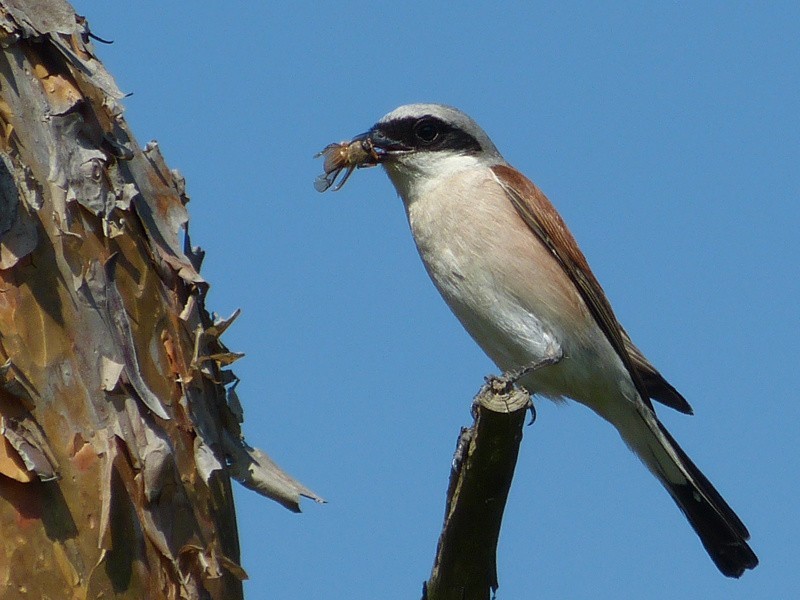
508,267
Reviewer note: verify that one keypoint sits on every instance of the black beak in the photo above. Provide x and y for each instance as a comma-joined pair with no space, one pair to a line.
383,145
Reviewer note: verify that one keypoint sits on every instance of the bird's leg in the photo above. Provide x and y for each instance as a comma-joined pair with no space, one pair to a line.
504,383
514,375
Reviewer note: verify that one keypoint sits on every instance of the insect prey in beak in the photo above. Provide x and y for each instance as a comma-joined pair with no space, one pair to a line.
344,157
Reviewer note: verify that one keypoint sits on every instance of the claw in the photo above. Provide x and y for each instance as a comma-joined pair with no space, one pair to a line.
532,408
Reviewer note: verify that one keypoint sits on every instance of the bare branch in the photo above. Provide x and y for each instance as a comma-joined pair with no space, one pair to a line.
483,467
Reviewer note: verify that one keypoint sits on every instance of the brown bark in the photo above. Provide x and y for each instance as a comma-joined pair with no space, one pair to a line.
465,567
119,422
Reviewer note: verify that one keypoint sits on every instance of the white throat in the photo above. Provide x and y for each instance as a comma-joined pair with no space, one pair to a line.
416,173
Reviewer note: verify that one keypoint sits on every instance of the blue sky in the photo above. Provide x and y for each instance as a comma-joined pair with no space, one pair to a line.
669,139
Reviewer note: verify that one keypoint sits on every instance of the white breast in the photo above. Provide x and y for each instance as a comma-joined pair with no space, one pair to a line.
504,286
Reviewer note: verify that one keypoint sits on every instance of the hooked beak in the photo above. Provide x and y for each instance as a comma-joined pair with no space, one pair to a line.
382,146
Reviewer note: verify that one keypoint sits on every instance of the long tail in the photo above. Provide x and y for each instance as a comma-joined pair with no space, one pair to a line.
721,531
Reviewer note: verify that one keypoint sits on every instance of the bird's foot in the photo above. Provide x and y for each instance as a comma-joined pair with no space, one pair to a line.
505,383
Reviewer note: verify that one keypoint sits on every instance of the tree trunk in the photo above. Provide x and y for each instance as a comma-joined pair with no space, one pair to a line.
119,422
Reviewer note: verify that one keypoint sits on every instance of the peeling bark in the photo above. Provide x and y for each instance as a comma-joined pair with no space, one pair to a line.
119,421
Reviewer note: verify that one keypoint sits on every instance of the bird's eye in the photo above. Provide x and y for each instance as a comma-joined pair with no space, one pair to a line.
426,130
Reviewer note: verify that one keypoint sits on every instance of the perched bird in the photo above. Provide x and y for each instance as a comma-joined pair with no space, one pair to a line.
510,270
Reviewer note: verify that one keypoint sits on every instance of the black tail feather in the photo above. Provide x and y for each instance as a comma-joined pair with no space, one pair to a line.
722,533
662,391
